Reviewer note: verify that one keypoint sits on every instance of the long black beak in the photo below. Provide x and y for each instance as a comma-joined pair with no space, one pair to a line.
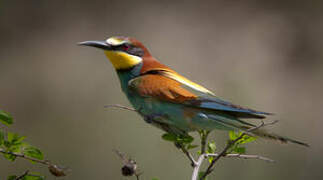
97,44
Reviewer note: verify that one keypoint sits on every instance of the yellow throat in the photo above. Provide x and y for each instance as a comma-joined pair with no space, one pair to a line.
122,60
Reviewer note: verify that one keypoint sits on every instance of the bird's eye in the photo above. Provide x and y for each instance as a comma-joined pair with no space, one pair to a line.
126,47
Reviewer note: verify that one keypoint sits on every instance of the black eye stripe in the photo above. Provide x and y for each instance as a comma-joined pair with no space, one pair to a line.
129,48
121,46
137,51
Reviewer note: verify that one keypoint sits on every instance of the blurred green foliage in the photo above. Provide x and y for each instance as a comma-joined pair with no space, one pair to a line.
236,147
5,118
27,177
184,141
235,142
13,145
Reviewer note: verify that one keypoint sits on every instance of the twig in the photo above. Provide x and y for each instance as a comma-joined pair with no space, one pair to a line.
119,106
45,162
129,167
185,151
243,156
23,175
53,169
26,173
203,134
188,154
196,164
229,145
196,169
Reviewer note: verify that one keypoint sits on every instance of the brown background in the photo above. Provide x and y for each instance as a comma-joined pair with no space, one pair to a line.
263,54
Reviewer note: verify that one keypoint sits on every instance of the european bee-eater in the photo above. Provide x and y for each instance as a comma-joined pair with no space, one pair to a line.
170,101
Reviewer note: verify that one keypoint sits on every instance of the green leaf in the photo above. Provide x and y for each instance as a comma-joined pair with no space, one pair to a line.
210,159
1,137
15,148
201,173
5,118
14,138
13,144
211,147
240,150
177,139
14,177
9,157
154,178
6,144
237,149
169,137
247,139
185,139
234,135
191,146
33,177
33,152
10,136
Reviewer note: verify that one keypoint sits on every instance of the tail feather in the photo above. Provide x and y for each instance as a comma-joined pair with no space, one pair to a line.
272,136
238,124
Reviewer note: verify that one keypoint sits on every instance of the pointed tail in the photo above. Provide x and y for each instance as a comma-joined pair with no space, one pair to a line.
263,133
238,124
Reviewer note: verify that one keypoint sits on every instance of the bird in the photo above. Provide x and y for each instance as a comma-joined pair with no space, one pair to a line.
171,102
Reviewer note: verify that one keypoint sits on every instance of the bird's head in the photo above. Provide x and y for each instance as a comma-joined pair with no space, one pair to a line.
123,52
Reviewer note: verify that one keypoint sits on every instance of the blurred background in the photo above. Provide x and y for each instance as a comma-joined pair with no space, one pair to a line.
262,54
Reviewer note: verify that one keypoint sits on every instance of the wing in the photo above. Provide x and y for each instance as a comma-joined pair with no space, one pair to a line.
160,87
172,87
218,104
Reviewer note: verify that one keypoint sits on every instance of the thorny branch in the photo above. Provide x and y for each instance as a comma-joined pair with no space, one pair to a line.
180,146
129,167
45,162
54,169
23,175
203,134
26,173
188,154
241,156
227,147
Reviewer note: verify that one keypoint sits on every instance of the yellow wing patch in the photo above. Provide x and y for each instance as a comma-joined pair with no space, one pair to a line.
187,82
